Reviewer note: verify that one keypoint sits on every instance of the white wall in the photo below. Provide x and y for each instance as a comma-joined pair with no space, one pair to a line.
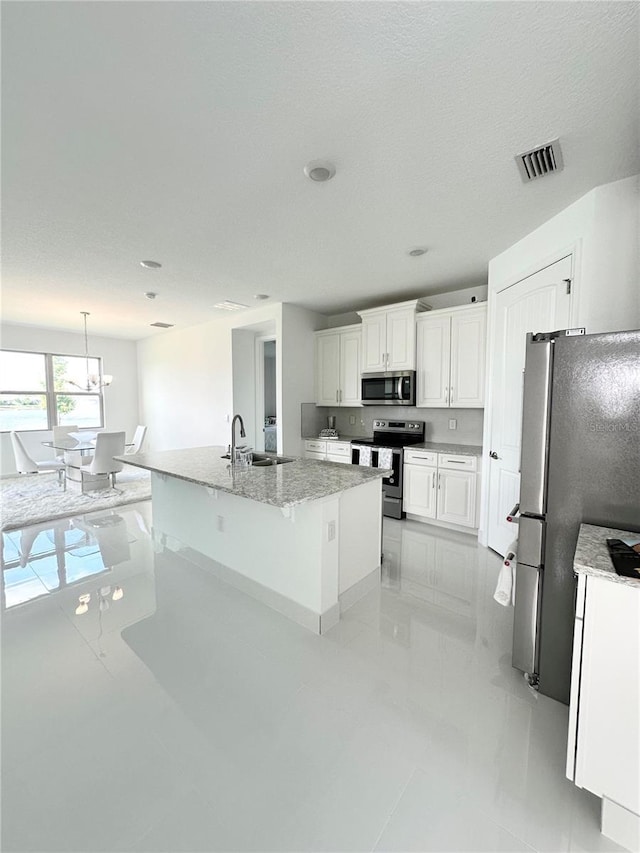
121,403
187,377
601,229
296,360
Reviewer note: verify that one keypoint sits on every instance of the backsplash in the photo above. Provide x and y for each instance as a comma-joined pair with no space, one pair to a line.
469,429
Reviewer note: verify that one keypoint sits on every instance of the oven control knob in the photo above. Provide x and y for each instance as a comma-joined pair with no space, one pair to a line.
391,480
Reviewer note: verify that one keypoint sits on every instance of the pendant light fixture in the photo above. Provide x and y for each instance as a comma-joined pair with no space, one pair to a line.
94,382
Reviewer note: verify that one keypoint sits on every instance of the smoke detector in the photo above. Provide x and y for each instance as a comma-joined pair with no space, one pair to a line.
319,170
540,161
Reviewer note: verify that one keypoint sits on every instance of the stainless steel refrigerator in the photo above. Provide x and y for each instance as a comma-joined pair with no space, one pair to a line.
580,462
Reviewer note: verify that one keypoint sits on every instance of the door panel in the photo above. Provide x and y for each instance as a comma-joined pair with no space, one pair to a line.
350,346
327,369
468,355
433,347
374,343
420,491
457,497
538,303
401,339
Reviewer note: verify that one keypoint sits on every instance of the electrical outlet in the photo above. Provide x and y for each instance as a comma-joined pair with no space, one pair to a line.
352,419
331,531
453,423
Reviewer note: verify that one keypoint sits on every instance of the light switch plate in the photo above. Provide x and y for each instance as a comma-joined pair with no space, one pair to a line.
453,423
352,419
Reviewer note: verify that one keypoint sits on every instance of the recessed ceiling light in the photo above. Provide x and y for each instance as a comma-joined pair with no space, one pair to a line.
150,294
319,170
150,265
159,325
260,295
227,305
419,250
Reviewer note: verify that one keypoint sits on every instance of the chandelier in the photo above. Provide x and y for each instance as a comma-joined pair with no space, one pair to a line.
94,381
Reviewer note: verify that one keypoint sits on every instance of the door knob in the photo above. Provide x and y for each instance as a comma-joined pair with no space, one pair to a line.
493,454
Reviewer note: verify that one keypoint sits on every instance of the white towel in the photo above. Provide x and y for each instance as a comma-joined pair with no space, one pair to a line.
364,457
505,593
385,455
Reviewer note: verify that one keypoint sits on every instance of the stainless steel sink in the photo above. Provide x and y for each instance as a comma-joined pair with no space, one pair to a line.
263,461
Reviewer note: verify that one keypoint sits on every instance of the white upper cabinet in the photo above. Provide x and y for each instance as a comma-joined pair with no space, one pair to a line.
389,337
451,348
327,369
374,342
350,367
337,366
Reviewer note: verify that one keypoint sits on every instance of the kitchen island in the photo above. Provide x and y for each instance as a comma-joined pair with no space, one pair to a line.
303,536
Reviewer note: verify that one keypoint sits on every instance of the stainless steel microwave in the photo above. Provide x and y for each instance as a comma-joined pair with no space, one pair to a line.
392,388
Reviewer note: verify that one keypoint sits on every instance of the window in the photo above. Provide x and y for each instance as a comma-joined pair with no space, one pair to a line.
39,390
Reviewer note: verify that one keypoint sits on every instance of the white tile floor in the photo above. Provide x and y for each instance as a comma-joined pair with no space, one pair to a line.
187,717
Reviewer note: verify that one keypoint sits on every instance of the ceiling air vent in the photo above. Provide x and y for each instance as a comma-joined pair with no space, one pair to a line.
540,161
162,325
228,305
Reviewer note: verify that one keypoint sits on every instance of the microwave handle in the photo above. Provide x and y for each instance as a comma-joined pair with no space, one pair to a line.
399,393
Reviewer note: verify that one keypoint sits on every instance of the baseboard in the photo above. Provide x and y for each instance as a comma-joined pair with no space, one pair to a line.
359,589
444,525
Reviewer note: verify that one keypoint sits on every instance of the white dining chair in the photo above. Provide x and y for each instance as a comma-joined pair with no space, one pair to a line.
62,432
26,464
138,438
108,445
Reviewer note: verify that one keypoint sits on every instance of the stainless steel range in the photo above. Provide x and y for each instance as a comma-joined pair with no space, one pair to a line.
389,436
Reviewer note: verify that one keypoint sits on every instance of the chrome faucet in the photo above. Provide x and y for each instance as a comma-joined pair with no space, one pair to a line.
233,436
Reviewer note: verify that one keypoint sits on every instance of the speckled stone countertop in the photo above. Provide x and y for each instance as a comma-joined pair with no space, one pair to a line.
283,485
592,556
458,449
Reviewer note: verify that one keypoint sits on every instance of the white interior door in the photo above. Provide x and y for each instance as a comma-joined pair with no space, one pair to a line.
538,303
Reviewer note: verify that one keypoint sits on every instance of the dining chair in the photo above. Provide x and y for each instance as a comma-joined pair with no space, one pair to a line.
138,438
26,464
108,445
62,432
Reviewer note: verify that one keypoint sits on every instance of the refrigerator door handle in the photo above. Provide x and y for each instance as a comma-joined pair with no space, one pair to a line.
536,404
514,512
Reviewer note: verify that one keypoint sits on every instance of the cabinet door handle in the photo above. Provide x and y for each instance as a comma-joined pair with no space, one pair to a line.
451,395
433,480
439,483
446,396
336,395
340,392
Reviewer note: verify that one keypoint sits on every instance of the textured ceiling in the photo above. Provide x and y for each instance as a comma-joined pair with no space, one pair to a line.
178,131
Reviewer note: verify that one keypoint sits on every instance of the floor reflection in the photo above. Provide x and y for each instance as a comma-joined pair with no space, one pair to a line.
147,706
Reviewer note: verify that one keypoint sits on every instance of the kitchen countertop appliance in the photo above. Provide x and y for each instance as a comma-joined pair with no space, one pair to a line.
392,435
580,463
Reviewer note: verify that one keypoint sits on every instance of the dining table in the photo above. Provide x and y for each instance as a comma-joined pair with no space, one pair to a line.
75,452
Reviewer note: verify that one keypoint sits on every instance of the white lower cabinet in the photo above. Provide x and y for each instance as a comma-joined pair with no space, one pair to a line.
441,486
457,497
603,751
328,451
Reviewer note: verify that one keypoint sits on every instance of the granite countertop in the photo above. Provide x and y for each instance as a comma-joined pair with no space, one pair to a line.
337,438
441,447
283,485
592,555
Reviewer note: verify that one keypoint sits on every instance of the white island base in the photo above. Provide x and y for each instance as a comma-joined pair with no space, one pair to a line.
307,561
